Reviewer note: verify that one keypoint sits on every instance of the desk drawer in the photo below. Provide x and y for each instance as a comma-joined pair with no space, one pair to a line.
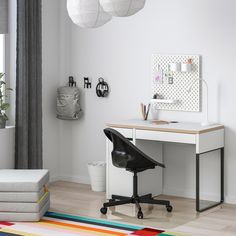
166,136
128,133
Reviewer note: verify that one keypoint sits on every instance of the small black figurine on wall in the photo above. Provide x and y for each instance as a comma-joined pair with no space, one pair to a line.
87,83
102,88
72,83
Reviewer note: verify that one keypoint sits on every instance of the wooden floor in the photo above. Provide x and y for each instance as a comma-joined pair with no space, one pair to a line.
78,199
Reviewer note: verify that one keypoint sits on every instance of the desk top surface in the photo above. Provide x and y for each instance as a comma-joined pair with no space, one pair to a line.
180,127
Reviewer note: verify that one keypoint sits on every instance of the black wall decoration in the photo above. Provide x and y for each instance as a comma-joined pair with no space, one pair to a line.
102,88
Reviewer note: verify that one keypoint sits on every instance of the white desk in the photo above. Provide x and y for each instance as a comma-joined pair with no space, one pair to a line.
205,139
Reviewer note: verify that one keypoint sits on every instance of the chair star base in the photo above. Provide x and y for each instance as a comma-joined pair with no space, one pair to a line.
117,200
121,200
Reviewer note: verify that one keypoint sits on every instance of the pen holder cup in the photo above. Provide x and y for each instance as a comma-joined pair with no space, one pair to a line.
145,111
174,67
186,67
154,112
144,116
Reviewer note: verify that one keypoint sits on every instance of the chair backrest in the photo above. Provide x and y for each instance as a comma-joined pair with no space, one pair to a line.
126,155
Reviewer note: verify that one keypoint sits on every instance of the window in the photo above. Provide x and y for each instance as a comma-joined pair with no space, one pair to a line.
2,58
2,53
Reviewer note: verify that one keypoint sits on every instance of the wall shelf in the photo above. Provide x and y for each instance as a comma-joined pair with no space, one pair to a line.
169,101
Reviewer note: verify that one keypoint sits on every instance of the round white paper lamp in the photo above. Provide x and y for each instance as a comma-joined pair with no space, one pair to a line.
122,7
87,13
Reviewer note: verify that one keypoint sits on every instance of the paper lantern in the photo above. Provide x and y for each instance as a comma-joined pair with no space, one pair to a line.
122,7
87,13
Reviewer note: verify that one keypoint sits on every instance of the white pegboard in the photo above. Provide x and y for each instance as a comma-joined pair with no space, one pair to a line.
181,82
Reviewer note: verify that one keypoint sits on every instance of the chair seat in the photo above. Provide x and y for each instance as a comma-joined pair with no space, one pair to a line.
140,169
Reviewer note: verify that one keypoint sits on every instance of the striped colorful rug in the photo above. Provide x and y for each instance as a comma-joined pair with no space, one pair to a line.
57,224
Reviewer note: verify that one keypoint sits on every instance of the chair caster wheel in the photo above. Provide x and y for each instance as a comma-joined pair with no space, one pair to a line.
103,210
169,208
140,215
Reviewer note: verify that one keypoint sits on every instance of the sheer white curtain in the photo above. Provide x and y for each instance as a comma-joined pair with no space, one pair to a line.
2,52
3,16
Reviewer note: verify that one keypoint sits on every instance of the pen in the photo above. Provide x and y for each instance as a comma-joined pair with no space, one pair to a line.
147,111
142,110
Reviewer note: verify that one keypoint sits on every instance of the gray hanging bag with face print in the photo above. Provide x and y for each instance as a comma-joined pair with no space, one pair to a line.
68,103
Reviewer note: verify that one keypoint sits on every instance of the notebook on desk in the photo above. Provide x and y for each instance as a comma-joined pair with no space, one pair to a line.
160,122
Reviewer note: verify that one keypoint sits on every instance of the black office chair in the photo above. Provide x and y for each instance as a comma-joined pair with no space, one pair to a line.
128,156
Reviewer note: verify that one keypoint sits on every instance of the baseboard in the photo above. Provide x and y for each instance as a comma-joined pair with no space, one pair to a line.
230,200
54,179
178,192
190,194
74,179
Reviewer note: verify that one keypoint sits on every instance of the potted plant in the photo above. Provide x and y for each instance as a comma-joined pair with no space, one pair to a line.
3,104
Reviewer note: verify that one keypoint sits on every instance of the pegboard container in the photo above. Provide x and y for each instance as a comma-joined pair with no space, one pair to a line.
172,84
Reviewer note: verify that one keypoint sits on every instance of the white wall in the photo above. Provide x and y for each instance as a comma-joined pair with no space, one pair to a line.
56,61
120,51
51,80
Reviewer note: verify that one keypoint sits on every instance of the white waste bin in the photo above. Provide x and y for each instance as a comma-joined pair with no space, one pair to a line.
97,173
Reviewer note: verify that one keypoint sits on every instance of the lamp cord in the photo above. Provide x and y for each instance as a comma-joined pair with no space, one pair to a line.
204,81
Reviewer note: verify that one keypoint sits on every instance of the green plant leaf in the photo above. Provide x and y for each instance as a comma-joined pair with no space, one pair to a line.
4,106
3,115
2,82
6,117
1,75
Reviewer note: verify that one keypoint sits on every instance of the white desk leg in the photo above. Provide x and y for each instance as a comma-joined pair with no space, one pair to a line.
134,136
